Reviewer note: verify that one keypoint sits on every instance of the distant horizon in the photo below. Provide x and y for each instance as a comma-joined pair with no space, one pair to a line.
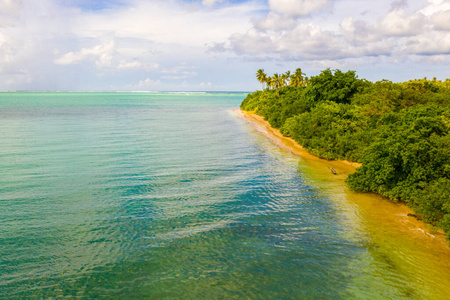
195,91
137,92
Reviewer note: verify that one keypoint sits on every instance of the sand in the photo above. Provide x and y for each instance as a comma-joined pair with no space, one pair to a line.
378,212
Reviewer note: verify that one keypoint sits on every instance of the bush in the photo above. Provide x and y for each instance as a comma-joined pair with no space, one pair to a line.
398,131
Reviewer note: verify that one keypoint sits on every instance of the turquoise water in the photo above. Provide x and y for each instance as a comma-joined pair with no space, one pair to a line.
168,196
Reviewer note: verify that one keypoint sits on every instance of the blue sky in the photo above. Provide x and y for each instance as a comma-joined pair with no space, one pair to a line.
215,45
94,5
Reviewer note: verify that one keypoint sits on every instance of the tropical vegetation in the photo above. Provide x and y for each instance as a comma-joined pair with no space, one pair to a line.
398,131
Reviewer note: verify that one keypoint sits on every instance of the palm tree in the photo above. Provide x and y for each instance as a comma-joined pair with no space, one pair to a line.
269,82
276,81
287,78
261,77
283,80
297,78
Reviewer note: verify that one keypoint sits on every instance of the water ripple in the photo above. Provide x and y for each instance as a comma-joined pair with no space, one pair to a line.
167,196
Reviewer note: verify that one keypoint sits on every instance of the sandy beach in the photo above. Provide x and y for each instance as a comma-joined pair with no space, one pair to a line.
376,211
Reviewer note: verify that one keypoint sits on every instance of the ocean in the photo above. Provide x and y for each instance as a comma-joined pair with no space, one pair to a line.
173,196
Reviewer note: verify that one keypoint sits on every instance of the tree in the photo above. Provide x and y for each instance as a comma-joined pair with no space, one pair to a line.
400,132
334,86
286,78
276,81
297,79
261,77
269,81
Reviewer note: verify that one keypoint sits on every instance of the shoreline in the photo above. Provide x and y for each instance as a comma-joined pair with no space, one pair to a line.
289,143
372,205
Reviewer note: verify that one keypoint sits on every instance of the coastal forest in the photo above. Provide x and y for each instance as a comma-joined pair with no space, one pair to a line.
399,132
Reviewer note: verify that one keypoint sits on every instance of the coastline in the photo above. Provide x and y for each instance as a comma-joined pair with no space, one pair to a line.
290,144
376,207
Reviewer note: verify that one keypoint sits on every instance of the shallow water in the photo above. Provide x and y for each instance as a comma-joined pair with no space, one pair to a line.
173,196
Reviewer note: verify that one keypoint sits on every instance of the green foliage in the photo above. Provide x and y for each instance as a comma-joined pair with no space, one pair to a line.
433,202
405,154
398,131
330,130
275,106
338,87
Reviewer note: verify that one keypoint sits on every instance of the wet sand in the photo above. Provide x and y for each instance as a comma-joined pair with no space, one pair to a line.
374,209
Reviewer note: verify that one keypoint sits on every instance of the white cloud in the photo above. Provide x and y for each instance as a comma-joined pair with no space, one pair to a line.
441,20
137,65
129,65
432,43
275,21
298,8
183,71
149,83
19,77
6,51
167,23
211,2
139,37
10,6
205,85
358,32
435,6
402,31
252,42
48,44
102,55
181,75
400,23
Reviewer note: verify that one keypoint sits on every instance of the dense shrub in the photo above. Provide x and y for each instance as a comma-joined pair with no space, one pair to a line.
398,131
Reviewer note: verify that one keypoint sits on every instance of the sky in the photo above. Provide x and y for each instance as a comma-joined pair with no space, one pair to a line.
215,45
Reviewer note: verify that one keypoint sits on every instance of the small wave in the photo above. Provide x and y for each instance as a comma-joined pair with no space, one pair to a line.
187,232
